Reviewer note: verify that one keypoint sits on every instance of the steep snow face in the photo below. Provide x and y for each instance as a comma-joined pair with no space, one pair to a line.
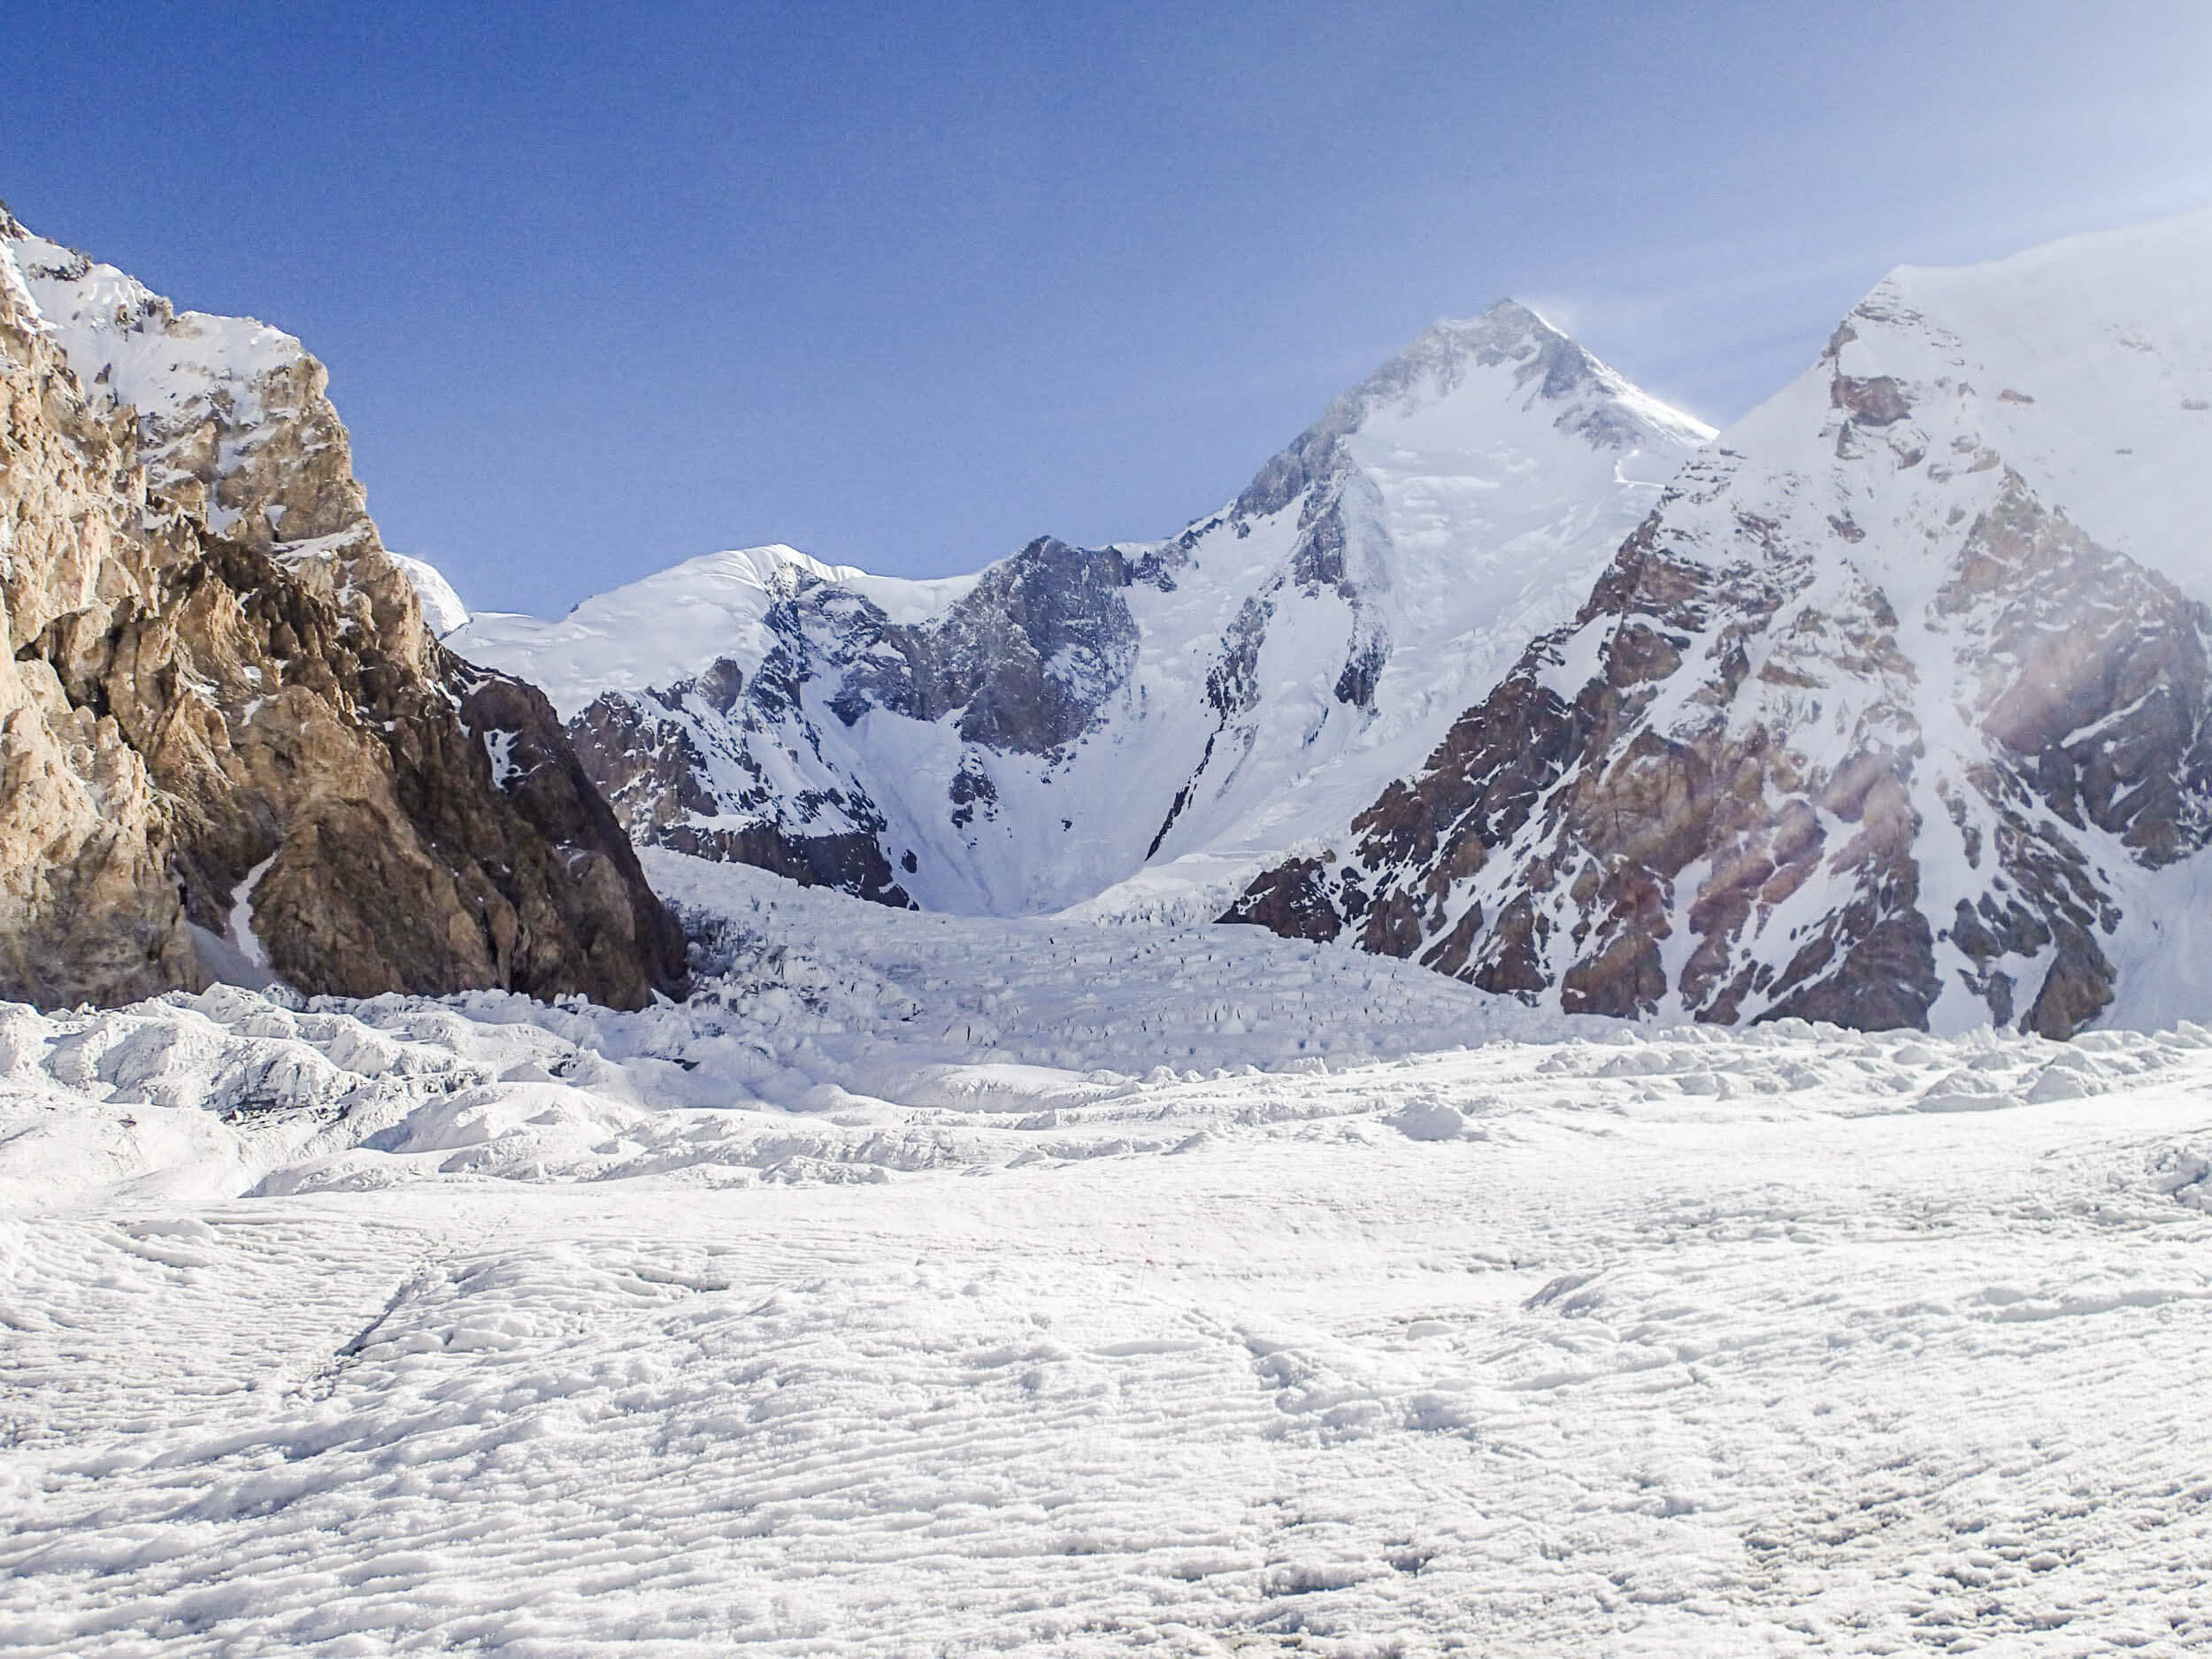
1895,714
1139,729
2086,364
1385,571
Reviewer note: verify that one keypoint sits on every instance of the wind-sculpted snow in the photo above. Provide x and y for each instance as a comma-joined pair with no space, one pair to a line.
840,1312
1137,728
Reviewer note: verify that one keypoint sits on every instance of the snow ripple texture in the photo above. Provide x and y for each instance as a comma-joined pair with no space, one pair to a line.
935,1286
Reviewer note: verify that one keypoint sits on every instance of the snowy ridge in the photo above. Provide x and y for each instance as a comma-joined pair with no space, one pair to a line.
1168,715
232,416
218,400
442,611
677,623
181,371
2086,363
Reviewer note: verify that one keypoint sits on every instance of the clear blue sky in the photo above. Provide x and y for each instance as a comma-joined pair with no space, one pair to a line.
601,288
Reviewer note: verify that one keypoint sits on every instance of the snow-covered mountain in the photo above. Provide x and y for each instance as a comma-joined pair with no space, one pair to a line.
1142,727
229,746
1895,711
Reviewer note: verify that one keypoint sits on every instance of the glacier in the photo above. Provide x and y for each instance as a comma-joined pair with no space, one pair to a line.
968,1285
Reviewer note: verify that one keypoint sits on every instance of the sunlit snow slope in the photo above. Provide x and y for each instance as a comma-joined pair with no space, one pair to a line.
1141,727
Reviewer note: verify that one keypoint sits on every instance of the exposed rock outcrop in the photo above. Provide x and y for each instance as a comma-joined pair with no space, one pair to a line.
224,752
669,766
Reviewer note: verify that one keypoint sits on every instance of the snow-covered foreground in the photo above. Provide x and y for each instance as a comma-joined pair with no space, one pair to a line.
870,1314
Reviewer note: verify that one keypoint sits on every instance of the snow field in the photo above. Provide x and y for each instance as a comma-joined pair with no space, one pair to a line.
797,1321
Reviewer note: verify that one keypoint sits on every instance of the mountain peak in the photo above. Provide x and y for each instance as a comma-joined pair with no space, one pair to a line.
1505,319
1509,359
1136,725
1508,333
1944,763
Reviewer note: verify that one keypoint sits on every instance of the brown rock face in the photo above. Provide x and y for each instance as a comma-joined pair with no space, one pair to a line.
1541,848
182,710
87,907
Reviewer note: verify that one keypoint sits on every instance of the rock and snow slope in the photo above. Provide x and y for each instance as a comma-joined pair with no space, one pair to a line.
1176,713
227,742
1895,713
722,1328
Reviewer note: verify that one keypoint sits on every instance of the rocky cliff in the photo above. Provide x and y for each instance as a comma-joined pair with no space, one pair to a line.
1893,713
1138,727
228,746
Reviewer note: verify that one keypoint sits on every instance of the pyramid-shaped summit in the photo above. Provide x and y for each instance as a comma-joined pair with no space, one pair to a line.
1140,728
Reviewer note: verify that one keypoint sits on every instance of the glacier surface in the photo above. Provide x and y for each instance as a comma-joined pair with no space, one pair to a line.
958,1285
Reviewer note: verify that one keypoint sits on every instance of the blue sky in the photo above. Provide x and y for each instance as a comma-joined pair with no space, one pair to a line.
603,288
